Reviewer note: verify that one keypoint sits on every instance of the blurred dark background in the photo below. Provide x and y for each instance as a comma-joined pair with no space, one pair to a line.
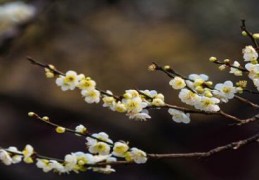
114,41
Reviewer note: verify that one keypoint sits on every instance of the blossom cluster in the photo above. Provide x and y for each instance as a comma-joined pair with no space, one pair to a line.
196,90
102,152
101,144
251,56
251,66
12,155
134,103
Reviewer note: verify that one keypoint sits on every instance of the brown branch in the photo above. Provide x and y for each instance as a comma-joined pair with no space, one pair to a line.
171,74
231,146
246,101
248,120
55,71
221,113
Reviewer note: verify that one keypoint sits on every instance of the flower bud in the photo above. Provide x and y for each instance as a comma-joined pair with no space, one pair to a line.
256,35
166,67
222,67
226,60
209,83
244,33
212,59
45,118
152,67
31,114
239,90
60,129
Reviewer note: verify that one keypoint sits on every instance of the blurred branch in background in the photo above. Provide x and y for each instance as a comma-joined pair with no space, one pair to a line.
16,17
113,41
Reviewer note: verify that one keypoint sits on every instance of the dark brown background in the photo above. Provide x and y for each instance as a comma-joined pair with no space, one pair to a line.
114,41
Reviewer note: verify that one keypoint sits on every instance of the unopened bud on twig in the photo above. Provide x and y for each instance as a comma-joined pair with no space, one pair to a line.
60,129
45,118
212,59
244,33
30,114
256,35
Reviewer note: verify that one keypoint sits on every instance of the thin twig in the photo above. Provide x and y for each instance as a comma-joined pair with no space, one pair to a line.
57,72
187,110
229,65
86,134
231,146
246,101
249,34
237,97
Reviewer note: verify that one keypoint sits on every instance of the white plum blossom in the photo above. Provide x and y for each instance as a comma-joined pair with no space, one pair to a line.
136,155
119,107
91,96
86,83
194,77
225,91
16,158
56,166
5,157
69,81
84,158
44,165
158,99
102,136
256,83
119,149
196,82
222,67
101,148
111,159
234,70
80,129
106,170
188,96
179,116
134,105
177,83
150,93
253,70
207,104
27,153
143,115
158,102
109,101
249,53
100,158
70,162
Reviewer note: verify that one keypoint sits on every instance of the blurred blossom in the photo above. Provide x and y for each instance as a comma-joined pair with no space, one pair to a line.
14,13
